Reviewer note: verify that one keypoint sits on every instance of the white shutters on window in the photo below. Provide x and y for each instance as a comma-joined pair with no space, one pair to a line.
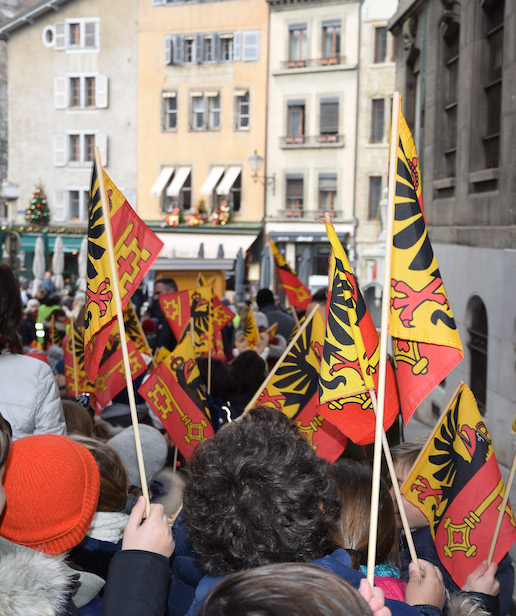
101,93
59,150
60,92
60,35
237,46
58,213
101,142
251,45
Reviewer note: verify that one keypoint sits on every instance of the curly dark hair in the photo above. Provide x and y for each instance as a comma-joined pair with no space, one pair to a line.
11,310
257,494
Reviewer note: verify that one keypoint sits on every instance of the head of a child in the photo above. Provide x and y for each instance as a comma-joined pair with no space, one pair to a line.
351,530
51,489
403,457
6,434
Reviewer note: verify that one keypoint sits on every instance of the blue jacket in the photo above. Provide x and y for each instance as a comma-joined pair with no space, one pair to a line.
339,562
425,548
185,571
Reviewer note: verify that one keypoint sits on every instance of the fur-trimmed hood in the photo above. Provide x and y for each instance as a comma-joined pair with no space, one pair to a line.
36,584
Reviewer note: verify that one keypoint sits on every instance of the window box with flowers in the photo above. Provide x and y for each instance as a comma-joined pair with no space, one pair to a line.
199,216
221,214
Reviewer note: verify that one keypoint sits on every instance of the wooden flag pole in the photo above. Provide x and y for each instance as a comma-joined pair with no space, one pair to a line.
294,314
280,360
502,511
175,458
377,461
395,486
72,330
120,316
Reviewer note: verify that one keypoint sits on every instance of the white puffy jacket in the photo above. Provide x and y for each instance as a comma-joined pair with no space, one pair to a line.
29,396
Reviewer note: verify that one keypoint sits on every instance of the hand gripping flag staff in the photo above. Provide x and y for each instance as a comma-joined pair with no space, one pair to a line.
457,485
121,250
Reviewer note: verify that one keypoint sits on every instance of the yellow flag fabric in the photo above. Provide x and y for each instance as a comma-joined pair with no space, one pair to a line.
351,355
426,340
456,483
293,390
251,333
136,248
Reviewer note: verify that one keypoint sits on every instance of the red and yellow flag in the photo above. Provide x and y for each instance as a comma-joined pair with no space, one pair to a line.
73,346
136,248
456,483
110,379
298,294
351,356
293,390
177,395
425,337
134,331
182,306
251,333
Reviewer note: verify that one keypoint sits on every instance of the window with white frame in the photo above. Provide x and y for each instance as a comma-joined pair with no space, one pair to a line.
189,49
81,91
328,192
297,44
213,99
169,110
377,120
226,47
294,185
198,113
77,148
205,110
330,41
242,109
71,204
81,34
207,48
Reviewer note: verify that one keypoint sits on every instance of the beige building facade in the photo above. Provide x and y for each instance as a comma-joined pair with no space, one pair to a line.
376,87
202,89
311,131
72,82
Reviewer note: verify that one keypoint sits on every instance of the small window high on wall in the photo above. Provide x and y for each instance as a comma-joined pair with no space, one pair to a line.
477,345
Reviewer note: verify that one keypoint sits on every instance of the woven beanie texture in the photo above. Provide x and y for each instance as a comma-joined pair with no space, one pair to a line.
154,450
52,488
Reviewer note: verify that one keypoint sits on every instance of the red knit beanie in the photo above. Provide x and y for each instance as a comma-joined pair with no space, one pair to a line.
52,488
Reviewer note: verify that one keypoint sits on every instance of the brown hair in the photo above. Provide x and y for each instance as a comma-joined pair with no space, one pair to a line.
299,589
113,476
78,420
406,453
11,310
351,531
6,434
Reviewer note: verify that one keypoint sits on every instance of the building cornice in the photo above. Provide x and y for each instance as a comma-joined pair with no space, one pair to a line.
406,9
292,4
28,16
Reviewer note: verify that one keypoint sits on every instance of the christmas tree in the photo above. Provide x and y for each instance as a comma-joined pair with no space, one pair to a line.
38,213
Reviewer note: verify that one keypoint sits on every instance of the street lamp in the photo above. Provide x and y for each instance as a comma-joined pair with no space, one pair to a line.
256,162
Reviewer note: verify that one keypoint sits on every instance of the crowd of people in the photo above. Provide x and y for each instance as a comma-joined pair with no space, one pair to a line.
255,523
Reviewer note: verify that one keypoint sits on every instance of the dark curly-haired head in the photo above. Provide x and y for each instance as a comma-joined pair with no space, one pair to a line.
11,310
256,494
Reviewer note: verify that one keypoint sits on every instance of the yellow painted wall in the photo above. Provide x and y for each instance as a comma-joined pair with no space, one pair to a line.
200,149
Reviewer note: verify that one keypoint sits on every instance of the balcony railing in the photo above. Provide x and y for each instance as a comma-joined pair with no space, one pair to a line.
313,62
304,214
311,141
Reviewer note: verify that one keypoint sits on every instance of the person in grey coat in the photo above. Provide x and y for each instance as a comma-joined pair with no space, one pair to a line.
29,395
